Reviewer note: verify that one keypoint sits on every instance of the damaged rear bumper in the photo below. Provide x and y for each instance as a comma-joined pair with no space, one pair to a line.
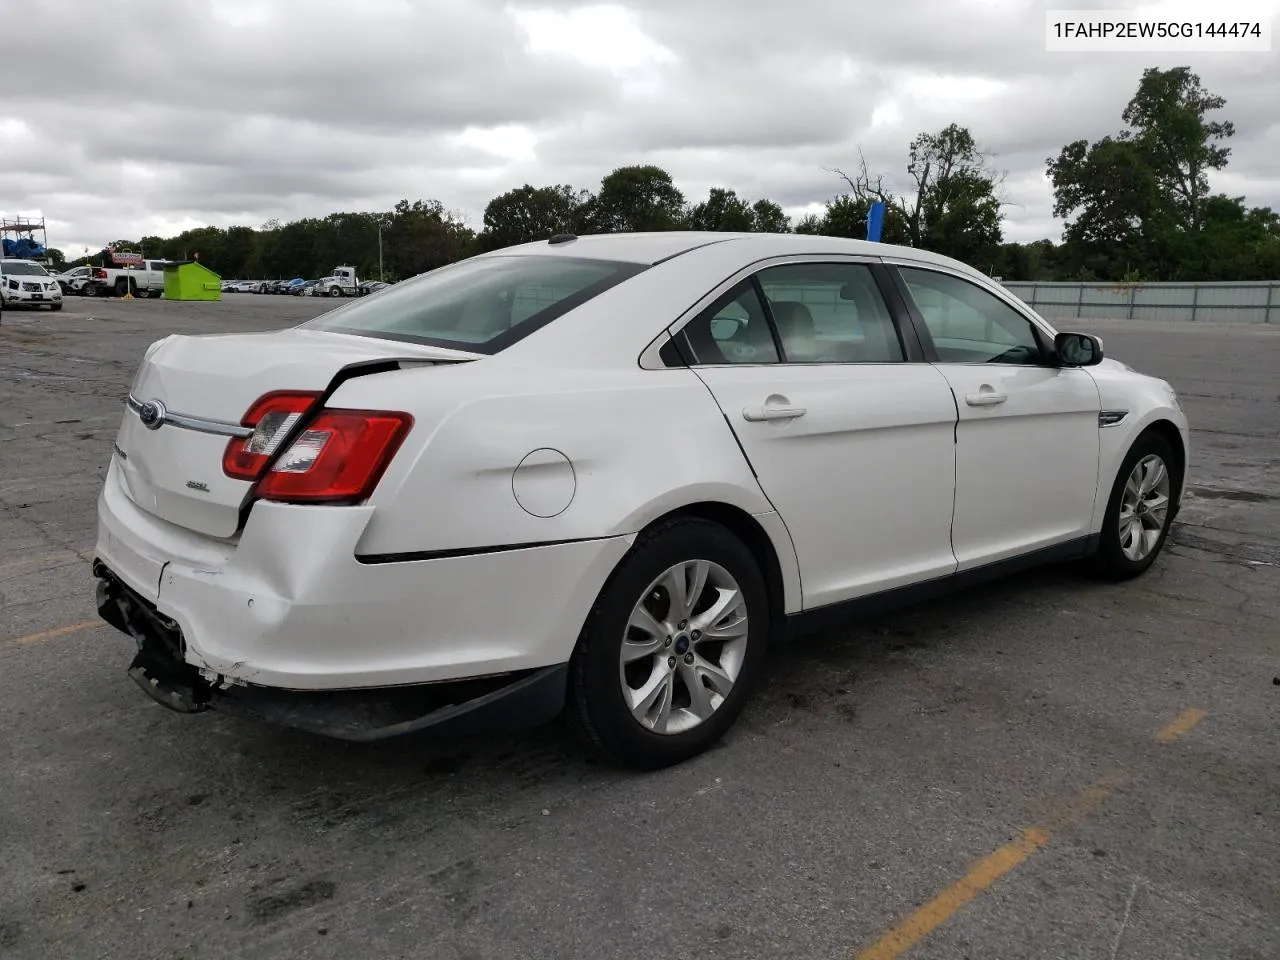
511,700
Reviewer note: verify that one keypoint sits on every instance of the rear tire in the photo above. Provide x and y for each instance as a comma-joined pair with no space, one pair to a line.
701,673
1140,511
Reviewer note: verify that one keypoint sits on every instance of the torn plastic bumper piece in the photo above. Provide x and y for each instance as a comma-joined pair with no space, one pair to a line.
159,667
507,701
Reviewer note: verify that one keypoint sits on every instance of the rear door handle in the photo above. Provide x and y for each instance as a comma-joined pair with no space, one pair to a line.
984,399
772,412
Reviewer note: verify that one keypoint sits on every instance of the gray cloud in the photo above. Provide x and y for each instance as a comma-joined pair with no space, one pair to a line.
144,118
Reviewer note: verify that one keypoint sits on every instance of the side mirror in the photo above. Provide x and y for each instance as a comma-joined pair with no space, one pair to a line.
725,328
1078,349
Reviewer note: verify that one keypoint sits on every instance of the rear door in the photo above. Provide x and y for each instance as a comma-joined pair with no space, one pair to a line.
852,439
1027,439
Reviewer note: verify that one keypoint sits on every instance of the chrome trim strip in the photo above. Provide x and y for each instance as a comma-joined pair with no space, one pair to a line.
218,428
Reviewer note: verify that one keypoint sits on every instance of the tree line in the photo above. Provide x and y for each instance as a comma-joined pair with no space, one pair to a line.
1137,206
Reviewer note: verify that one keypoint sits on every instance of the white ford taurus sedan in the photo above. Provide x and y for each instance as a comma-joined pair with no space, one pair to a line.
606,471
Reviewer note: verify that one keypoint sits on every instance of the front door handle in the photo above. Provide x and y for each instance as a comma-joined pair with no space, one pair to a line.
985,399
771,411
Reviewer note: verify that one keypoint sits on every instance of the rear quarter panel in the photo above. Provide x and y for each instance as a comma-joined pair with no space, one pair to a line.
641,443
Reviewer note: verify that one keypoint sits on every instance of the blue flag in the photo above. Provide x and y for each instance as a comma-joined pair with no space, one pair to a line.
875,221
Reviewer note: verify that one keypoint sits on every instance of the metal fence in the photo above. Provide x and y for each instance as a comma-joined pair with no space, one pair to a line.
1253,302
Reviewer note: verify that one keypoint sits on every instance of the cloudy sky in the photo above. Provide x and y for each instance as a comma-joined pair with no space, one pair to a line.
132,118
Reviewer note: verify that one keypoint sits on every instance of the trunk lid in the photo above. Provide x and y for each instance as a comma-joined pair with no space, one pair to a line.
175,472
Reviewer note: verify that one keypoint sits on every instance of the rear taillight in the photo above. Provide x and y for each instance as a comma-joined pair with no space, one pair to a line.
272,417
339,457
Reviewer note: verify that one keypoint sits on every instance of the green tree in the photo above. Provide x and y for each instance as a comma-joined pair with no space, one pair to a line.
527,214
1167,121
1140,201
846,216
810,225
953,207
423,236
635,199
955,210
767,217
723,210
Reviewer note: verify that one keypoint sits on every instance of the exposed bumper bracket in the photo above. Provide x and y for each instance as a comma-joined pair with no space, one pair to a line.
159,667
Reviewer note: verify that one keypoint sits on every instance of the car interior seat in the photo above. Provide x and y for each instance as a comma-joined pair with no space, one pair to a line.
796,329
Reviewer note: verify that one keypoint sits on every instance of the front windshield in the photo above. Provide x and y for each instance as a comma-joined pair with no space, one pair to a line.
482,305
22,269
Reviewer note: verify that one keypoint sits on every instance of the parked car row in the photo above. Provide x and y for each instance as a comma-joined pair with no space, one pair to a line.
341,283
147,280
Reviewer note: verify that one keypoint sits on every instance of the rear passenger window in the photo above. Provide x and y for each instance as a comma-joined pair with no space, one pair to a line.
734,329
830,313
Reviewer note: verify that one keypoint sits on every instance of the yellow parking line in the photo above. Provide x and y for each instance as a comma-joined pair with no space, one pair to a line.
995,865
57,632
942,907
982,875
1180,725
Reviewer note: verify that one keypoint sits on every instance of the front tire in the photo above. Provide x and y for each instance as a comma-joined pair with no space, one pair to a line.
1140,511
672,648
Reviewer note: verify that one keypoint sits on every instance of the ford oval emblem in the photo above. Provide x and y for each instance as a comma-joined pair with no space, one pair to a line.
152,414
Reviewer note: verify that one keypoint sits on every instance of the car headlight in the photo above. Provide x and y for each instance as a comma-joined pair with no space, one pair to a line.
1171,395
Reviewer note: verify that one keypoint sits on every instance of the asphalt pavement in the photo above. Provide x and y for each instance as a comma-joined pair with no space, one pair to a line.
1046,767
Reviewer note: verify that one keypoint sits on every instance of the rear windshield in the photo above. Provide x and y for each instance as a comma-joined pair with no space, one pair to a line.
23,269
482,305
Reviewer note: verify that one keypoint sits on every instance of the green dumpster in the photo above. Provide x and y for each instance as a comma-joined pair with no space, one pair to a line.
189,280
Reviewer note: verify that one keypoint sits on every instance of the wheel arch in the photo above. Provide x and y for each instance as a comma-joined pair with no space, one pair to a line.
1116,442
777,563
1168,431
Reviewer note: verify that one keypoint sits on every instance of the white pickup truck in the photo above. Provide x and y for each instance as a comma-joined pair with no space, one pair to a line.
146,280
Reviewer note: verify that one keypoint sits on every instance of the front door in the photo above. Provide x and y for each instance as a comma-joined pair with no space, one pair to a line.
1027,438
853,444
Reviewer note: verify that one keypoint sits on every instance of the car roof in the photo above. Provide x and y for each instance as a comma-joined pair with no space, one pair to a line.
651,248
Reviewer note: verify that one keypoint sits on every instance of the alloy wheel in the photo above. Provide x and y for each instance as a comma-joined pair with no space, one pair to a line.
1144,507
684,647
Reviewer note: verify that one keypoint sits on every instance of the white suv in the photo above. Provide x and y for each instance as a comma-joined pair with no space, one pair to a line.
27,283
